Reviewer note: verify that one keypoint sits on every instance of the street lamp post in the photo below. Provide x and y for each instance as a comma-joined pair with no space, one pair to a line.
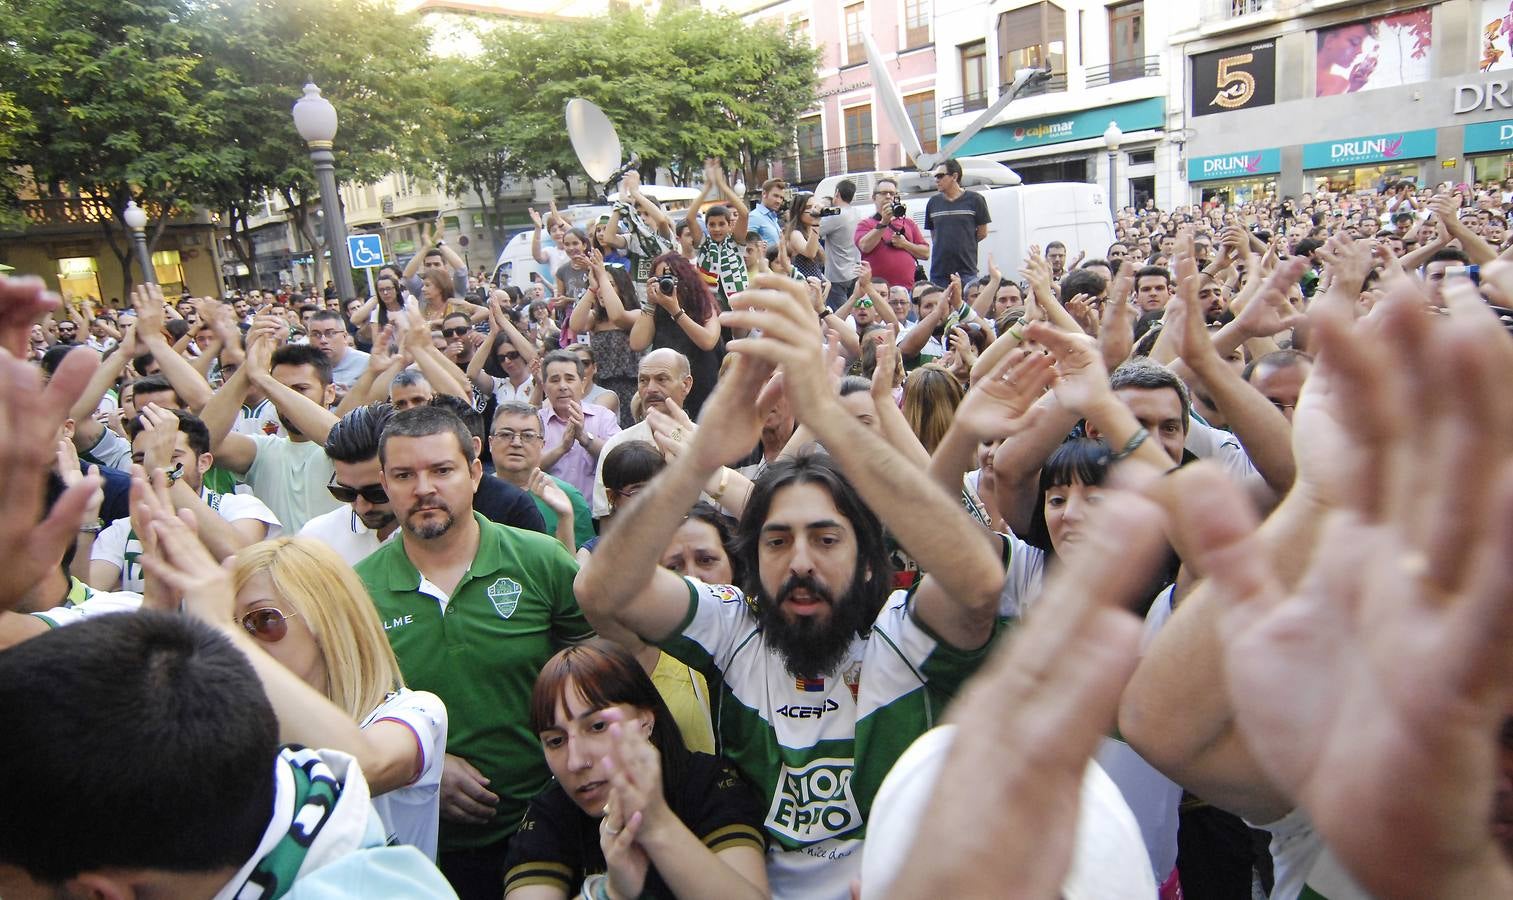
315,120
1112,136
135,218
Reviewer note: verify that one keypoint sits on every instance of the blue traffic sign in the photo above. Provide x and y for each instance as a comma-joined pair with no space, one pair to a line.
365,250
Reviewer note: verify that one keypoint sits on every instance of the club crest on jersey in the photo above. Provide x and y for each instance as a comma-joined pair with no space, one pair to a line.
814,803
505,595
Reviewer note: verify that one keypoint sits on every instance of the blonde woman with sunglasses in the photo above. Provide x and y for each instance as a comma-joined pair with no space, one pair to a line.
306,608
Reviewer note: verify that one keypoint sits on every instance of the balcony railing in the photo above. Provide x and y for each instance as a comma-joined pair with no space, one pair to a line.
969,103
810,168
67,212
1224,10
1123,70
974,102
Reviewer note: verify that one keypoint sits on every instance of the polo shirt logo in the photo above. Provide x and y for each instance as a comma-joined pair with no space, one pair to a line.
505,595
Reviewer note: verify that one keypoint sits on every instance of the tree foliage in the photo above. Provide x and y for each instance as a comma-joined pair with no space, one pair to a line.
176,102
679,86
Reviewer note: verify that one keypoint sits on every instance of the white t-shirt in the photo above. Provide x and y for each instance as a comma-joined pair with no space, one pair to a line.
99,603
118,546
410,814
505,392
1302,862
342,530
260,419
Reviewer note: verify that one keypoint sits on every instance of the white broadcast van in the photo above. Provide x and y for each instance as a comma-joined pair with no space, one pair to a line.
515,263
1022,214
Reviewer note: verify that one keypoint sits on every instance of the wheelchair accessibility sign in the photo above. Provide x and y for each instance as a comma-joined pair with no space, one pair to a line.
365,250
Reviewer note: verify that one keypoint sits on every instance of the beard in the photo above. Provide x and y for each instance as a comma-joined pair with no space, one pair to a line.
377,520
811,645
427,531
289,428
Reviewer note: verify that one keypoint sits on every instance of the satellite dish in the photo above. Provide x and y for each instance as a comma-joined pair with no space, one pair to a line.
892,101
594,139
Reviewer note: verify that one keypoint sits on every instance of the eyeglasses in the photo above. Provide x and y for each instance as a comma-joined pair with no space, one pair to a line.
455,332
373,493
864,303
510,356
509,436
269,624
940,175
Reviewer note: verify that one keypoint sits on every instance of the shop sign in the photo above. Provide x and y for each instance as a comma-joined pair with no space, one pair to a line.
1486,97
1486,137
1244,164
1140,115
1240,77
1375,148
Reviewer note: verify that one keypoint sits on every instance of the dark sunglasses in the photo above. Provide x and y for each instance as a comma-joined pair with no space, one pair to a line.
510,356
373,493
455,332
268,624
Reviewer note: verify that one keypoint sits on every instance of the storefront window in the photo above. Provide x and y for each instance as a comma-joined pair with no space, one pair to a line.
78,278
165,264
1364,178
1230,193
1492,168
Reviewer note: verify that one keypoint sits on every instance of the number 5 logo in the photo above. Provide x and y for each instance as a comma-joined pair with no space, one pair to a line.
1236,86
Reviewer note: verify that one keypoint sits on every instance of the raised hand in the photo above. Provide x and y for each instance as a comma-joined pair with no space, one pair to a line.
1081,381
31,419
1400,634
635,806
790,341
23,303
551,493
1002,401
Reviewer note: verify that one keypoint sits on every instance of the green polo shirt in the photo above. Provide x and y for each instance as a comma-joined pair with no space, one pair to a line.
512,610
583,515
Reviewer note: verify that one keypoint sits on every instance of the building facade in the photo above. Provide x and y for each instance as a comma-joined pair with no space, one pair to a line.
1295,96
72,243
847,130
1108,64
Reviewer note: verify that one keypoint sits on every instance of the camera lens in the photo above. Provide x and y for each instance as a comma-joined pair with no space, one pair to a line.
899,210
667,284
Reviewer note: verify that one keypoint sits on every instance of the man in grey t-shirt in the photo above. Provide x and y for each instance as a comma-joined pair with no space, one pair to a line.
838,233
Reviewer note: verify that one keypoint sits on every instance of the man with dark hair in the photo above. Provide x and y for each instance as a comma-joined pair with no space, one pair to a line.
1055,254
1084,281
473,610
144,761
437,255
499,501
765,219
328,334
365,519
1434,270
823,678
892,245
178,444
957,220
1153,288
290,473
838,233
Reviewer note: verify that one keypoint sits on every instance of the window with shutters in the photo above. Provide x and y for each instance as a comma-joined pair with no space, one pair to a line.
921,110
856,51
1033,37
916,23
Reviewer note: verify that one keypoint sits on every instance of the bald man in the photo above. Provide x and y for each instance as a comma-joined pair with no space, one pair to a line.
664,375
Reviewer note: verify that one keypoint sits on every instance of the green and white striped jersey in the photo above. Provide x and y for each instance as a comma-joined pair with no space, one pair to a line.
817,749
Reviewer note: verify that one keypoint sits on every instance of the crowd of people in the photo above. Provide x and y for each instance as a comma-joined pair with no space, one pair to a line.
780,549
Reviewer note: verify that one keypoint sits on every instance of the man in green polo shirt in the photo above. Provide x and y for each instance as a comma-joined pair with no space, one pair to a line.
473,610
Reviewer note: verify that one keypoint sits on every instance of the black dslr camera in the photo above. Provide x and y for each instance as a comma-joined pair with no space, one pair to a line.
899,211
829,211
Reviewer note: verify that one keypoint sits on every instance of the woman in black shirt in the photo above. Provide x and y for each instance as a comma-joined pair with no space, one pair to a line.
672,823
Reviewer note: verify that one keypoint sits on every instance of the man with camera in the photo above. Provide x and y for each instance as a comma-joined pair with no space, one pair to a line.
889,240
838,232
